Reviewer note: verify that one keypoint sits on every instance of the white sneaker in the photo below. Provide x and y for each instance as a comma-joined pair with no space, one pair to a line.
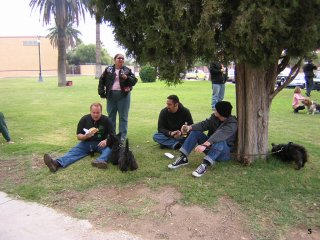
200,170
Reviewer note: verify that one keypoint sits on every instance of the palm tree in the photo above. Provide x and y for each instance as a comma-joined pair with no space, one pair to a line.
98,51
64,12
72,36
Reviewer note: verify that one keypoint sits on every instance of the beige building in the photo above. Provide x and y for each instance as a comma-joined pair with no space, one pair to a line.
19,57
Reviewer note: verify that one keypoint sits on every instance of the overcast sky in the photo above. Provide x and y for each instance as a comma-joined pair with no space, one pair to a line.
17,19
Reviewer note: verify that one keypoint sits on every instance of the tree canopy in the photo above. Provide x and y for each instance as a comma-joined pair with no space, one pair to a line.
260,36
173,34
72,36
83,54
63,13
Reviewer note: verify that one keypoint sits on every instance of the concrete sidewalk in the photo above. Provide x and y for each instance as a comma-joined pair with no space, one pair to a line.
20,220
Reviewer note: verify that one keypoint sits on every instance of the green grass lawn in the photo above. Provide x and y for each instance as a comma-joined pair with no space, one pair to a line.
43,118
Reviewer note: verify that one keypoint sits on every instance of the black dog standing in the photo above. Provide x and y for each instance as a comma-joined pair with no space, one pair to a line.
121,155
126,159
115,144
291,153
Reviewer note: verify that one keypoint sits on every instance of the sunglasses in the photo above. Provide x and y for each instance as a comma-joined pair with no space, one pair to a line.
121,58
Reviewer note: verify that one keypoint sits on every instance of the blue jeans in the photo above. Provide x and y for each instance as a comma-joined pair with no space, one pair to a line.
167,141
119,103
81,150
3,128
218,152
217,94
309,84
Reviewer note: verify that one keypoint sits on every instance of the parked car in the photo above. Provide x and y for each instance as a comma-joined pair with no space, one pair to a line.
298,81
196,74
231,76
316,81
282,77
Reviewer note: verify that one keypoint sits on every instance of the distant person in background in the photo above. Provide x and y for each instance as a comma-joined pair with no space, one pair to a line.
309,75
4,129
297,100
115,84
218,75
171,119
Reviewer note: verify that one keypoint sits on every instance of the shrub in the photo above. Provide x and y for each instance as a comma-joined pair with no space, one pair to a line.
148,74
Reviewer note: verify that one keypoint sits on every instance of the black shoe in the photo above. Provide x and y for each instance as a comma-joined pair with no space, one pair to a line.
53,165
200,170
177,146
180,161
99,164
162,146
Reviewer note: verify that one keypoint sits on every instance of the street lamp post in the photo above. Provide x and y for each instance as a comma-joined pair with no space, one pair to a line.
40,71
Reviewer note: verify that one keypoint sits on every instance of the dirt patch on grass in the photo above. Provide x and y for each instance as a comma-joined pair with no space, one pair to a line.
12,171
155,214
15,170
304,234
150,214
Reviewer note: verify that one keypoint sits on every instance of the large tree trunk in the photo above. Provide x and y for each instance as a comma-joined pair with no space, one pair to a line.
98,51
253,90
62,57
61,20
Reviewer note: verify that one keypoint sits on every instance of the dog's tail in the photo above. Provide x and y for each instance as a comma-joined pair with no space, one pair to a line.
127,145
132,163
304,157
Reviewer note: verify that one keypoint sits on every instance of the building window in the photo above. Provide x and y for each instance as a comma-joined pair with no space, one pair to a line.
30,43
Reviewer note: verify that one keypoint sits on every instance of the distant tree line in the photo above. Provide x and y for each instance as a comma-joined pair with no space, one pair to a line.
84,54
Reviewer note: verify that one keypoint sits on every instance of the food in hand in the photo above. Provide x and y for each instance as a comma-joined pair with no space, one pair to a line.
93,130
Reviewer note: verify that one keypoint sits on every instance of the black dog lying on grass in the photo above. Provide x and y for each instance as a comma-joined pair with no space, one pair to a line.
122,155
291,153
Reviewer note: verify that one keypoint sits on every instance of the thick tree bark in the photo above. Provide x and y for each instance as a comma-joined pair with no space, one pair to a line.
98,52
253,90
62,58
61,22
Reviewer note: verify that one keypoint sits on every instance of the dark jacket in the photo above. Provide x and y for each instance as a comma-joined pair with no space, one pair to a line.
173,121
107,79
219,131
308,69
216,73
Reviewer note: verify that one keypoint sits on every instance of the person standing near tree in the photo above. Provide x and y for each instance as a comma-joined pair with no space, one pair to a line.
218,75
309,75
115,84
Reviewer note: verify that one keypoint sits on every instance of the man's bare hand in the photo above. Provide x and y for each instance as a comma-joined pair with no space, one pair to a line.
200,148
89,134
102,144
176,134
